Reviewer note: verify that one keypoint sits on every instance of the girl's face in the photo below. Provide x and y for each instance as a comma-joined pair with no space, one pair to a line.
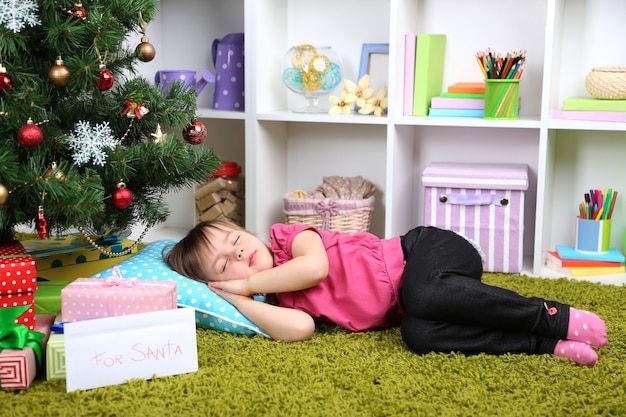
236,254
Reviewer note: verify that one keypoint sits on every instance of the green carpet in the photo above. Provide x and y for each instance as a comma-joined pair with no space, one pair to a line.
365,374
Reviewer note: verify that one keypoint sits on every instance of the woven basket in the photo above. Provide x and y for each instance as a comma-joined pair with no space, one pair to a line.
607,83
348,216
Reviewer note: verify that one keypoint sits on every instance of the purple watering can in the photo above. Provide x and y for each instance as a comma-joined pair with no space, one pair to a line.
228,58
166,77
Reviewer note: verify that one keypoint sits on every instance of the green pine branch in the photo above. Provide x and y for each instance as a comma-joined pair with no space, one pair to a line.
81,195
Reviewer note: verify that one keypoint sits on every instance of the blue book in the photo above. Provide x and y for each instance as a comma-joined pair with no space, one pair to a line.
568,252
434,112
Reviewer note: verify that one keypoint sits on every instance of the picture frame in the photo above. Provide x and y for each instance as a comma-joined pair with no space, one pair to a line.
375,62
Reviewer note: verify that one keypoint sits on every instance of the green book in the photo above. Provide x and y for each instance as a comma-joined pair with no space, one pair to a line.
461,95
429,56
592,104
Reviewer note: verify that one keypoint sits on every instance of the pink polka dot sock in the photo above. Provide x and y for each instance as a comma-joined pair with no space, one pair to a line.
586,327
579,352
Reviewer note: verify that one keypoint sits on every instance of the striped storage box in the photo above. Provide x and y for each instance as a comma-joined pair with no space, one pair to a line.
484,202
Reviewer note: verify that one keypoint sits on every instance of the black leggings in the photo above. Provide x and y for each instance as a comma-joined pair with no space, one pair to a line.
448,308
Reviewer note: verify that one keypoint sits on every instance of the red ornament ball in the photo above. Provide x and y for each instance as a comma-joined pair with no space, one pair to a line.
29,135
195,133
122,197
6,83
105,80
77,12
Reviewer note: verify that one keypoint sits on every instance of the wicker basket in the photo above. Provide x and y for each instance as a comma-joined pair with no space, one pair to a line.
607,83
349,216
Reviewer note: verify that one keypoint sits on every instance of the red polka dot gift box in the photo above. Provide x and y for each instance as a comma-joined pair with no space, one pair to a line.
18,281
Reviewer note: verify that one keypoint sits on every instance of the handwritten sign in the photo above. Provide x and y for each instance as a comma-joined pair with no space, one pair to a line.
113,350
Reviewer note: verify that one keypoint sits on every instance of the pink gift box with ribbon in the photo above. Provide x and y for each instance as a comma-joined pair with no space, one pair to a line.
97,298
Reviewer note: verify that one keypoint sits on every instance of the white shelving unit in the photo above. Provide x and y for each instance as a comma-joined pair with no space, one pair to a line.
282,150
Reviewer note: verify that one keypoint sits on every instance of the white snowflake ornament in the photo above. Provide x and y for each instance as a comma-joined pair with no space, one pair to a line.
16,14
89,143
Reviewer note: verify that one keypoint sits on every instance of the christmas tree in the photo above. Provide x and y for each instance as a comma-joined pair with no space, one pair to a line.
81,134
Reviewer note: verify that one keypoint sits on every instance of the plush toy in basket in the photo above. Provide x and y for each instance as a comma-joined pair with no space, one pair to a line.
339,204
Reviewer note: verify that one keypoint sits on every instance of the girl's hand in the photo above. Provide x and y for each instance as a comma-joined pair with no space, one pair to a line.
279,323
234,299
235,286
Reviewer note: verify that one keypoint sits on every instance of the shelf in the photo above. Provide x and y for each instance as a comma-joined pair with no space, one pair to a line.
521,123
290,116
282,150
560,124
206,113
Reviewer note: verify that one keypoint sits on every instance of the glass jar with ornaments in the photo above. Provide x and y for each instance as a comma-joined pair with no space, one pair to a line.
222,196
312,72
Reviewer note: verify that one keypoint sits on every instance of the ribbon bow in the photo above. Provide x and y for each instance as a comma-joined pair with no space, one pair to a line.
327,208
18,336
117,280
133,110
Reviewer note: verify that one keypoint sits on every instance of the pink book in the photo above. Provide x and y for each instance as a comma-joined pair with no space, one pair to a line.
457,103
596,116
409,73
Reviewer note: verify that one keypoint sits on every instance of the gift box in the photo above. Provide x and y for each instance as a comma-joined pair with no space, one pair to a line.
19,365
48,296
87,269
18,281
55,353
484,202
24,300
67,250
18,272
96,298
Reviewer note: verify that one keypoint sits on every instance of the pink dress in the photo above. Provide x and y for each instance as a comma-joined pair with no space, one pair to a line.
362,289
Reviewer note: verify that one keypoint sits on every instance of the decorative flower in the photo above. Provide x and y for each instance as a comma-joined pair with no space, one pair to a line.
377,104
362,90
342,104
362,95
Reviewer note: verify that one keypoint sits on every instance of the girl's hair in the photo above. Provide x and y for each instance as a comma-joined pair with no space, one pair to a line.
188,256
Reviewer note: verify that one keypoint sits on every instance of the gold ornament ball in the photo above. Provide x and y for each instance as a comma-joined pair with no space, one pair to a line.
59,74
54,172
145,51
4,194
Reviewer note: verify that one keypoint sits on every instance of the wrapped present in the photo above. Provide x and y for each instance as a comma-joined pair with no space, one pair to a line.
48,296
96,298
24,301
18,272
62,251
55,351
21,350
18,281
87,269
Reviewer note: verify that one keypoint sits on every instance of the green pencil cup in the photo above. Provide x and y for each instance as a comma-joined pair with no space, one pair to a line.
501,99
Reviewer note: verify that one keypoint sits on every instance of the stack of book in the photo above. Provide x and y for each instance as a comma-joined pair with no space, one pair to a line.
587,108
462,99
568,261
